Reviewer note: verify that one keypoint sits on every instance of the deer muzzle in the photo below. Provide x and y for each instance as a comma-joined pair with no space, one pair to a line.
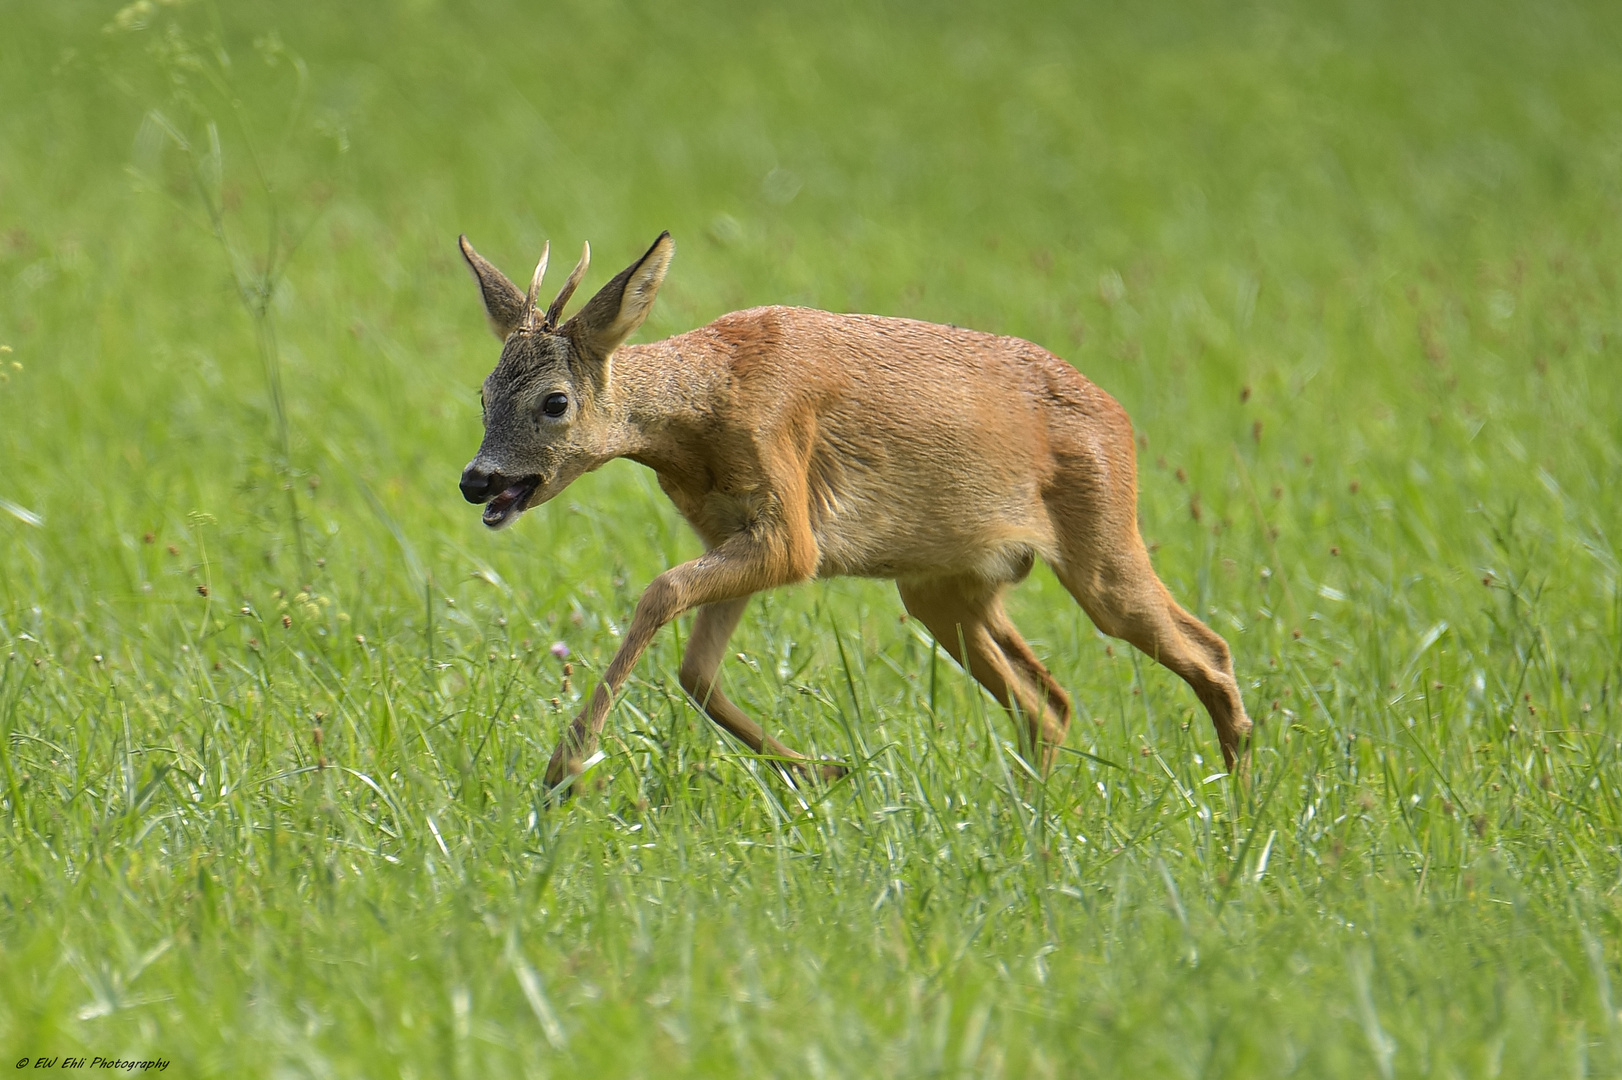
505,498
479,486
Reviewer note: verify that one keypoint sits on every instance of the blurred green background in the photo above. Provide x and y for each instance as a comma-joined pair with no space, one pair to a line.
271,793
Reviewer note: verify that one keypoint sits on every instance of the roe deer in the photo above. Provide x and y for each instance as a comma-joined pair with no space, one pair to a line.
803,444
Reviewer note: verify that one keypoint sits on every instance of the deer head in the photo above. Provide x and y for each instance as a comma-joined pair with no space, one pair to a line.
549,411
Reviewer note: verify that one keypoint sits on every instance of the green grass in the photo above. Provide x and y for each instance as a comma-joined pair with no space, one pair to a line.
1353,271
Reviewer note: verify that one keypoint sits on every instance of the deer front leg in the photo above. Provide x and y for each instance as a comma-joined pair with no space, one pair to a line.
700,665
732,571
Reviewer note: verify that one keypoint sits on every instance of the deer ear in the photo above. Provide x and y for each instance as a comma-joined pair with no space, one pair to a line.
620,306
504,304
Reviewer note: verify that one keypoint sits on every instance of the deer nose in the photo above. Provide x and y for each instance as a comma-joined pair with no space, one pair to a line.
477,485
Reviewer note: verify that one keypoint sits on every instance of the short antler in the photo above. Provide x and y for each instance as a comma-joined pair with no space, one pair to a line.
535,286
556,310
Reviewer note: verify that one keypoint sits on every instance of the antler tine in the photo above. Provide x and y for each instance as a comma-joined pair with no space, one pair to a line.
535,284
579,272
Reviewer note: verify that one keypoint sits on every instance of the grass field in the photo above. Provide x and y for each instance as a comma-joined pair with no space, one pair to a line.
274,707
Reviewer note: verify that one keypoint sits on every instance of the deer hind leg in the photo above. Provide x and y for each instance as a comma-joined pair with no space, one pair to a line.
1119,590
967,618
1049,719
712,628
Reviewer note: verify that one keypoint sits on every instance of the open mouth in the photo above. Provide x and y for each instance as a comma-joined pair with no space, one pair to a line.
504,509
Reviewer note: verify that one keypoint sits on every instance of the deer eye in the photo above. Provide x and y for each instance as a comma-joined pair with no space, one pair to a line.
555,404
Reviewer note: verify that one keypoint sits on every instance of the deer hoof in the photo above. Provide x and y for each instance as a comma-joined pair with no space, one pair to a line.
825,770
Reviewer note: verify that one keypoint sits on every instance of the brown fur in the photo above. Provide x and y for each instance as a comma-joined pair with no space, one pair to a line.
803,444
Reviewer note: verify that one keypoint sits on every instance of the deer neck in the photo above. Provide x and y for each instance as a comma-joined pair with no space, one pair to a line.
663,403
